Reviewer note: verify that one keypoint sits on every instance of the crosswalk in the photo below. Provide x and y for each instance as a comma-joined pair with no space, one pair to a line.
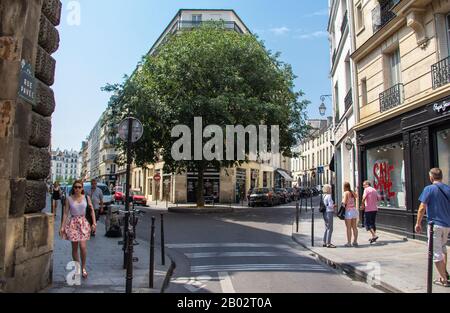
220,259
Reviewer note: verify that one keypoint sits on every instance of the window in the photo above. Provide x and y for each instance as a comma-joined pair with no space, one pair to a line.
336,101
443,152
394,67
447,28
363,92
386,170
196,18
359,18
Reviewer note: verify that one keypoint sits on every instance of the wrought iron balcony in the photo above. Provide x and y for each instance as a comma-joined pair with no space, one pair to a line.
228,25
344,23
383,14
391,98
348,99
440,73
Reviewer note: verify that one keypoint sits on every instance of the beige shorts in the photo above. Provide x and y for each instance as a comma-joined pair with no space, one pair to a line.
440,242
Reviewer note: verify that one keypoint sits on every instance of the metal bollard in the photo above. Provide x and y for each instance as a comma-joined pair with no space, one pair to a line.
163,255
152,253
312,222
129,274
297,213
301,205
430,258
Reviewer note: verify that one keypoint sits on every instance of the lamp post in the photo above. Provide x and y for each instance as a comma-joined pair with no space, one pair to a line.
323,107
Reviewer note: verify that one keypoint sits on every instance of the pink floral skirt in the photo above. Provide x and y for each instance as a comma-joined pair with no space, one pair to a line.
77,229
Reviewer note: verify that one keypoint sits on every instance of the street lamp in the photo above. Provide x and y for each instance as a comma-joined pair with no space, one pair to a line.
323,107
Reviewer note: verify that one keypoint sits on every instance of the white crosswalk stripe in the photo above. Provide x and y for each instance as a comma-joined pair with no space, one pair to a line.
257,267
201,255
225,245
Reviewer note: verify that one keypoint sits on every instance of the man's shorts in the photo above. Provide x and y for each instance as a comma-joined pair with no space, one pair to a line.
440,242
370,220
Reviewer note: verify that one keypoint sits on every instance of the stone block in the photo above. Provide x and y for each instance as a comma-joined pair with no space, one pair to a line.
38,163
10,48
35,196
9,79
6,117
48,35
13,240
17,201
52,10
45,99
5,158
20,158
41,128
22,120
38,232
45,67
5,195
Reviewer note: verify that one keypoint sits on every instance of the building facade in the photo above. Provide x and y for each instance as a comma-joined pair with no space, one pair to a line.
402,61
316,151
225,185
64,166
341,30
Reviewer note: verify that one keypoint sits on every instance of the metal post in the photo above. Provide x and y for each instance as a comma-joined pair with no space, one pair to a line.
430,258
163,255
127,193
129,275
152,253
297,216
312,222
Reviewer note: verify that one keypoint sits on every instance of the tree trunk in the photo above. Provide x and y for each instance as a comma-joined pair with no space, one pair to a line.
200,183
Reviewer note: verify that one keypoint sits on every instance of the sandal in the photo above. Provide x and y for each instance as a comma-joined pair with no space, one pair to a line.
348,245
85,274
439,282
331,246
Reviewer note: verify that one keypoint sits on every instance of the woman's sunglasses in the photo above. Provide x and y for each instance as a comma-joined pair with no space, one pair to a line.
77,187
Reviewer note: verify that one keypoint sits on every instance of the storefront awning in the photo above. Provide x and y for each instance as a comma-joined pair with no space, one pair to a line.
332,164
285,175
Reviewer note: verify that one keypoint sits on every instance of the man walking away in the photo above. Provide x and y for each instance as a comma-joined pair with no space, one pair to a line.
435,201
97,200
370,206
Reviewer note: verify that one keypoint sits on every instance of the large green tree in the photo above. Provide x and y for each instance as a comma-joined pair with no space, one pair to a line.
224,77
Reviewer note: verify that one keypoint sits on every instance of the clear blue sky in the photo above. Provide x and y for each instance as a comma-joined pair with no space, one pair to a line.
113,35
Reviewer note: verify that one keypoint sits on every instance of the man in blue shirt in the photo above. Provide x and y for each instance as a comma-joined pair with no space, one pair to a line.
435,201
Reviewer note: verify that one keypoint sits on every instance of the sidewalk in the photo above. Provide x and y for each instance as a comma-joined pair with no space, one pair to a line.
104,265
403,262
162,205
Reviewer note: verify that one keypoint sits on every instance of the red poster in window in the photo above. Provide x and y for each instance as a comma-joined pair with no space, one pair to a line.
383,180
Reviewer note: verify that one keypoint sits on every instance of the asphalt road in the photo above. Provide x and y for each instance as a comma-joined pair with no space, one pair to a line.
248,251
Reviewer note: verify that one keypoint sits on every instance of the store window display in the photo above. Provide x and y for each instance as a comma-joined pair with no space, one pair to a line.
443,152
386,170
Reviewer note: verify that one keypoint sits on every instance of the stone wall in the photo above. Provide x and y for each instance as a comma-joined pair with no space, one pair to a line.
27,33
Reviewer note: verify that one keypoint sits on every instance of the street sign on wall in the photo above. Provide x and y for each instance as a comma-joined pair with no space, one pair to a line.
27,83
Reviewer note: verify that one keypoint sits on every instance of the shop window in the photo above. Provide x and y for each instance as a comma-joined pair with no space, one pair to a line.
386,171
443,152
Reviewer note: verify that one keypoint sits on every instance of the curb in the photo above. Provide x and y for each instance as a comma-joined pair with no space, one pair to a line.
201,211
349,269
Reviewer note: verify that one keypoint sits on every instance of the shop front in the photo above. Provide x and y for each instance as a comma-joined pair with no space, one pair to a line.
396,156
211,185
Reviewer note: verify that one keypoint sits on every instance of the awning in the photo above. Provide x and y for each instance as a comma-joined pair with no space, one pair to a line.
285,175
332,164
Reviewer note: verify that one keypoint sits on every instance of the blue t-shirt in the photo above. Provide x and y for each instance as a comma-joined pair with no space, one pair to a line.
438,206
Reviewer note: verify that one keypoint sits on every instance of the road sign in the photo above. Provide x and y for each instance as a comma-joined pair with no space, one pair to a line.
157,177
320,170
27,83
137,129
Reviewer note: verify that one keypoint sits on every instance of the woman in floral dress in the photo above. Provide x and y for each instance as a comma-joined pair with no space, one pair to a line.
75,227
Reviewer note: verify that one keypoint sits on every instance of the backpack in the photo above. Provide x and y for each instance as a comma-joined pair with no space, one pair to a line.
322,207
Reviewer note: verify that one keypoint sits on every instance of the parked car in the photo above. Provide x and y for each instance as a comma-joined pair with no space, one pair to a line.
291,194
250,191
118,194
283,195
138,198
263,196
315,191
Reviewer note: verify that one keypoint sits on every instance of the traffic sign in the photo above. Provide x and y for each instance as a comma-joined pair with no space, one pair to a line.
157,177
320,170
137,129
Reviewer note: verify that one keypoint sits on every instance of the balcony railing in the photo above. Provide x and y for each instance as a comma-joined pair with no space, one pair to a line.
344,23
383,14
348,100
440,73
391,98
228,25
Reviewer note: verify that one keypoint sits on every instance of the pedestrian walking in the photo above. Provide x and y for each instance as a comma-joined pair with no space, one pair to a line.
370,207
56,197
75,227
328,216
351,215
435,201
96,195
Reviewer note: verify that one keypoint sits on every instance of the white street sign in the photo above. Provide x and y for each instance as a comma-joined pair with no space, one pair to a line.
137,130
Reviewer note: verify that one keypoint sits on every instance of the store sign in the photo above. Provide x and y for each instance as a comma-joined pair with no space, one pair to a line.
27,83
442,107
383,179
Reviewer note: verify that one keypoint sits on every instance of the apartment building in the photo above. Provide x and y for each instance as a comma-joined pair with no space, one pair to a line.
342,73
226,184
64,166
403,112
316,151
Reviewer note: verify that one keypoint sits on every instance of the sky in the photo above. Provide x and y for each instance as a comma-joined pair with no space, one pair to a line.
103,40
